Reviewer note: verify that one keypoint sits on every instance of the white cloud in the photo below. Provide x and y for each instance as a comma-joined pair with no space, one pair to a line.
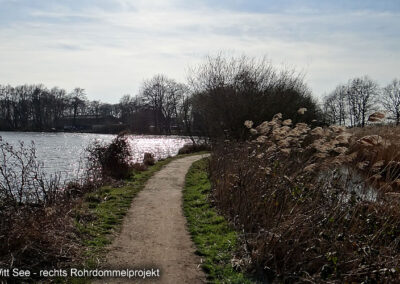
110,52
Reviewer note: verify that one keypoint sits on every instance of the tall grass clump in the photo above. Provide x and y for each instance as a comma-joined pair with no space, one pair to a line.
306,209
378,148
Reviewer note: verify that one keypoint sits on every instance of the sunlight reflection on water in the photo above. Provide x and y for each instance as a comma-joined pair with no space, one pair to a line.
62,152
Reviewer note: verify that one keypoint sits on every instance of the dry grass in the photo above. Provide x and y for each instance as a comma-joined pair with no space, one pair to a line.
307,210
148,159
193,148
37,227
379,156
37,238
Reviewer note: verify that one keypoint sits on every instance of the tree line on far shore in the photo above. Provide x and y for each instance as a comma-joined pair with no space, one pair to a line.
350,104
220,94
38,108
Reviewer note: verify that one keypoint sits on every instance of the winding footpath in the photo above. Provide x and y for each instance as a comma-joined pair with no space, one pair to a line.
154,232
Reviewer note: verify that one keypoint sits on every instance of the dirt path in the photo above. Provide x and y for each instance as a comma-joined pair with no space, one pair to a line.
154,233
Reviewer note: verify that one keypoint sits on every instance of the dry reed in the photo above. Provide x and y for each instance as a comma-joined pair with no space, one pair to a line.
313,205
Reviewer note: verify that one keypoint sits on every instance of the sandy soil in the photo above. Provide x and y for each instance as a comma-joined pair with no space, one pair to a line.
154,232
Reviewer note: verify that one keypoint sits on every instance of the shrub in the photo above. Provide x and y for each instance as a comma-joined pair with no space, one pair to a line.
139,167
36,220
34,212
193,148
33,238
22,179
113,160
148,159
228,91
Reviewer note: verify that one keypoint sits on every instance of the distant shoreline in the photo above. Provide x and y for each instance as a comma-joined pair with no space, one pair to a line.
96,132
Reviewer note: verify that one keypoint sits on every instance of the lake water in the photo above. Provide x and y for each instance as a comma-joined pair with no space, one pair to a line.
62,152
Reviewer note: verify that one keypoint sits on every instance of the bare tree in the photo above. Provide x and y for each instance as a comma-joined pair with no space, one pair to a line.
35,107
22,179
106,110
330,109
38,98
227,91
186,115
153,94
61,103
77,101
93,108
127,106
335,106
362,93
391,99
163,96
173,101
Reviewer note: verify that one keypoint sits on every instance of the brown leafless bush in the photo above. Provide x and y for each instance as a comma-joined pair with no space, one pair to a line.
22,179
40,238
36,224
112,160
148,159
35,227
193,148
306,211
139,167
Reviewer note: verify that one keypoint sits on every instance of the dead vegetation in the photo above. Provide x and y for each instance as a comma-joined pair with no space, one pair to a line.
35,217
193,148
112,160
37,228
314,204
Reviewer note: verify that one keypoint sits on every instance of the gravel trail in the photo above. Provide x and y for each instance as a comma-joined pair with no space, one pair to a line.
154,232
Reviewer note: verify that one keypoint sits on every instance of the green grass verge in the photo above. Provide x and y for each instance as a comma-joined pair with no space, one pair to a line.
215,240
101,213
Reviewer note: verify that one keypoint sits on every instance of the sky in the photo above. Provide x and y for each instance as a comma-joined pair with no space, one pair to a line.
109,47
